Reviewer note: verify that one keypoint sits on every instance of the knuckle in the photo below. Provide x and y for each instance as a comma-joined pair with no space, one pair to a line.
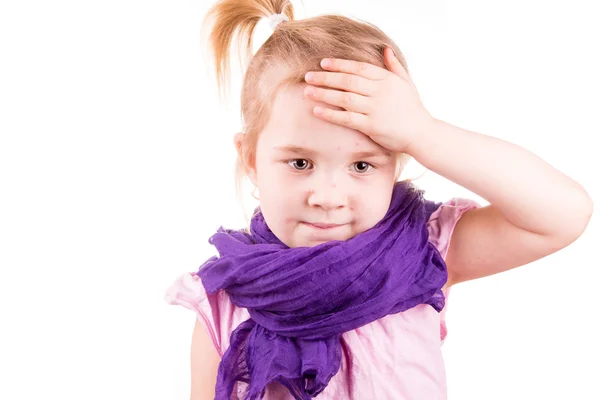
348,119
361,67
346,99
348,81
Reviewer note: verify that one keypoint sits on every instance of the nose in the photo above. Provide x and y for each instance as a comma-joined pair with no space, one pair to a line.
328,195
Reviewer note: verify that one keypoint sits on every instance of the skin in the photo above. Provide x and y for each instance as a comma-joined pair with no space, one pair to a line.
523,222
311,174
535,210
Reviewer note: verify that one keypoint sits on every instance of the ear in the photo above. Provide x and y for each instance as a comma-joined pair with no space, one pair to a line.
238,141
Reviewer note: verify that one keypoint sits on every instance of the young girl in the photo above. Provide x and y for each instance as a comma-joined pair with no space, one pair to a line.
338,289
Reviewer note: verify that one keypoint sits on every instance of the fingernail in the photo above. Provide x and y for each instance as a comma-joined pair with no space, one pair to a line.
309,76
319,110
326,62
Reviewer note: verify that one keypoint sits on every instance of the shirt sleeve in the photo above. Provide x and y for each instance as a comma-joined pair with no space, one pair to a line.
440,226
216,312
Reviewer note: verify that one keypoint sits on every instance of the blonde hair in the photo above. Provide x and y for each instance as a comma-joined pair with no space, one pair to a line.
295,48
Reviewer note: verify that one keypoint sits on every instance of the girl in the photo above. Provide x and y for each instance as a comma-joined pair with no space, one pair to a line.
338,288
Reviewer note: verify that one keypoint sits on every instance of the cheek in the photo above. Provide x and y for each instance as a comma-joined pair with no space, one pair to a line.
374,204
280,198
275,184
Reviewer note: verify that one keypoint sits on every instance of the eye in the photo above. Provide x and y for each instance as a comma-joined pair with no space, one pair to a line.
361,167
300,164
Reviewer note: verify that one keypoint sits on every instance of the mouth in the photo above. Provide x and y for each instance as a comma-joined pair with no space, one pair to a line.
323,226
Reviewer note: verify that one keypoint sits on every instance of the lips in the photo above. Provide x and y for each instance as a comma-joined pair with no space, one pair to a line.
323,226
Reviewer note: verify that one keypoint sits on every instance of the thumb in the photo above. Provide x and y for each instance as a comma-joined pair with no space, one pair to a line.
393,64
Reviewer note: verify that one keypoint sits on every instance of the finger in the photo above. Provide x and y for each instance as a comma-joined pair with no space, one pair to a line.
335,80
349,119
393,64
365,70
347,100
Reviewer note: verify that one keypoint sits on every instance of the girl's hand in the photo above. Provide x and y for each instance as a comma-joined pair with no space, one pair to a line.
383,104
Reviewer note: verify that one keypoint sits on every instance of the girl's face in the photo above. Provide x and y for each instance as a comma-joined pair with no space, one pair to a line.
318,181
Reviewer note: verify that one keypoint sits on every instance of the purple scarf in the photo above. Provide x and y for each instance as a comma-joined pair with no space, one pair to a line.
302,299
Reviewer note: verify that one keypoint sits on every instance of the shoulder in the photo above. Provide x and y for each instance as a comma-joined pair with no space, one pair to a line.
442,222
214,311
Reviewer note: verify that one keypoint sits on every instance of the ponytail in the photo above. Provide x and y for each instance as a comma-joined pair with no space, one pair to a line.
229,18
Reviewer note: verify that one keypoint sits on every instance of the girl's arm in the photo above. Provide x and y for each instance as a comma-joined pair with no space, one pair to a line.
535,209
204,365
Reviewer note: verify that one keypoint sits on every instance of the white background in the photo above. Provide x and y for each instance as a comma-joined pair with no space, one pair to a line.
116,165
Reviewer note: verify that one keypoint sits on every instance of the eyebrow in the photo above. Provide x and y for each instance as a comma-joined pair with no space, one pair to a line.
360,154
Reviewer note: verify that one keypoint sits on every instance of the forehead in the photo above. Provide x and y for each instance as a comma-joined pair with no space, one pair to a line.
292,122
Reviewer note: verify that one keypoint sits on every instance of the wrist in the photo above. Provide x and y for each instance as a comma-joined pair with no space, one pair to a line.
424,138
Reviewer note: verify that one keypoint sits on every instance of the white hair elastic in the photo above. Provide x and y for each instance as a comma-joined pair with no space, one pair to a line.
276,19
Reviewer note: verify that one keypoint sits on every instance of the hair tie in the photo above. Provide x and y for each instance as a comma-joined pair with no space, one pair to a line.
276,19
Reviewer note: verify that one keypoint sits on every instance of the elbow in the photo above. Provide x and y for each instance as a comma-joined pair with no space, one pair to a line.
581,215
587,209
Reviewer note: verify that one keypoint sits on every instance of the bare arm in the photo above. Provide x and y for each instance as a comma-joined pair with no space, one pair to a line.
204,365
535,209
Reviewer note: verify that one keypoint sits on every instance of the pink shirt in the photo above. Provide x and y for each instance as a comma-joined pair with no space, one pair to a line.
396,357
